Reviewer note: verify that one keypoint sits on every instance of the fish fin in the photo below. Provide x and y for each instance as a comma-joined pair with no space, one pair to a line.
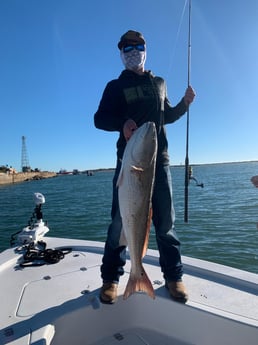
120,177
136,169
122,239
146,242
142,284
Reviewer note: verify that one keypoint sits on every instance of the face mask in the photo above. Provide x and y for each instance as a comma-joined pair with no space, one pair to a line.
133,60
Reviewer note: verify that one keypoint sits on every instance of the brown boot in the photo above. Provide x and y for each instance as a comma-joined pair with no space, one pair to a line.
177,291
108,292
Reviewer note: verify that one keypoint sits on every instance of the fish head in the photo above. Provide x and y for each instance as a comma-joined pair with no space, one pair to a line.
142,146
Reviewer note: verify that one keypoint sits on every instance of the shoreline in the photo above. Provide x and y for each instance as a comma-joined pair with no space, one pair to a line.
182,165
22,177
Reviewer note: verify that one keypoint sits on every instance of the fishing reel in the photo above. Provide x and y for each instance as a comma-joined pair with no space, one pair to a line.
36,228
191,177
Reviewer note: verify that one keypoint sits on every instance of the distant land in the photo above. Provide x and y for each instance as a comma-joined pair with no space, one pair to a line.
193,164
199,164
7,178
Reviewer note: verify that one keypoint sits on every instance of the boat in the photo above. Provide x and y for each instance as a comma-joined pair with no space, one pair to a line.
50,295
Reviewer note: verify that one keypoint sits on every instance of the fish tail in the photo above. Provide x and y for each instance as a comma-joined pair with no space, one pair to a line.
136,284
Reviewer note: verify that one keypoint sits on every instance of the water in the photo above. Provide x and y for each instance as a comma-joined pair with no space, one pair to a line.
222,223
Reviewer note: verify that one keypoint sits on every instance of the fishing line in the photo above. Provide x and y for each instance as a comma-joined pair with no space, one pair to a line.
177,37
187,118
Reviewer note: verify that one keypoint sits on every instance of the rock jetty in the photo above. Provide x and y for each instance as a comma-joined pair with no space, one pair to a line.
6,178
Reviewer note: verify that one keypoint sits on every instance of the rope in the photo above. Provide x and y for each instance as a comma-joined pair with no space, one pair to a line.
38,257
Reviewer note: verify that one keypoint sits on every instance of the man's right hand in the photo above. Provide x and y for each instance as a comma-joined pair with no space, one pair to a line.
128,129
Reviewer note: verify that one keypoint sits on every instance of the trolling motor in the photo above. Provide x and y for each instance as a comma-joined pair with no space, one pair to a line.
36,228
30,240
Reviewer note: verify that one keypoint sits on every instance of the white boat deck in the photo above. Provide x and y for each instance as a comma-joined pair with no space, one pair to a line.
58,303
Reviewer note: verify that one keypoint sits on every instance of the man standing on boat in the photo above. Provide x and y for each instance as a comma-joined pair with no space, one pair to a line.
136,97
254,180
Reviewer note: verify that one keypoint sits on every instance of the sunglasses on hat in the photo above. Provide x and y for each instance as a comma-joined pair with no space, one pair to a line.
129,48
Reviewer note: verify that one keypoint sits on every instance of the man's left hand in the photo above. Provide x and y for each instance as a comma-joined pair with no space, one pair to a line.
189,95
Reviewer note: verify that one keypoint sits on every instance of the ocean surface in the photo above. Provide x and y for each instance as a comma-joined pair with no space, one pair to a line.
223,215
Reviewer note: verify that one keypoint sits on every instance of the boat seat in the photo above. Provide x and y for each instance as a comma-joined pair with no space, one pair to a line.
43,335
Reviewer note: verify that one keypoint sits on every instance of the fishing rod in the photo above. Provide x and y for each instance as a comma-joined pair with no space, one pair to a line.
187,117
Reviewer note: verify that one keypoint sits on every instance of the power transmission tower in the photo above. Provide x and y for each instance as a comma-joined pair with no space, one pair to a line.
25,166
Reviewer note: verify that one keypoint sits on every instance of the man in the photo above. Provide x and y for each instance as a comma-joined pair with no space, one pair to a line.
136,97
254,180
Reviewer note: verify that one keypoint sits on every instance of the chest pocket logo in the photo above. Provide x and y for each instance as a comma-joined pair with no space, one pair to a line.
137,93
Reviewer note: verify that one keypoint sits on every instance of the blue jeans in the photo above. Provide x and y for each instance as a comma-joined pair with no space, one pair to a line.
114,257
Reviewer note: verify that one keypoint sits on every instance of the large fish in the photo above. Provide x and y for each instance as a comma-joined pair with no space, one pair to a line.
135,186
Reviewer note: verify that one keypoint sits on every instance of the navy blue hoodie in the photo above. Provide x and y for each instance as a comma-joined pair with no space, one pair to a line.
141,98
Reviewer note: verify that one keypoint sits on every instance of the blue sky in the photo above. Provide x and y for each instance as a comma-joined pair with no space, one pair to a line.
57,56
